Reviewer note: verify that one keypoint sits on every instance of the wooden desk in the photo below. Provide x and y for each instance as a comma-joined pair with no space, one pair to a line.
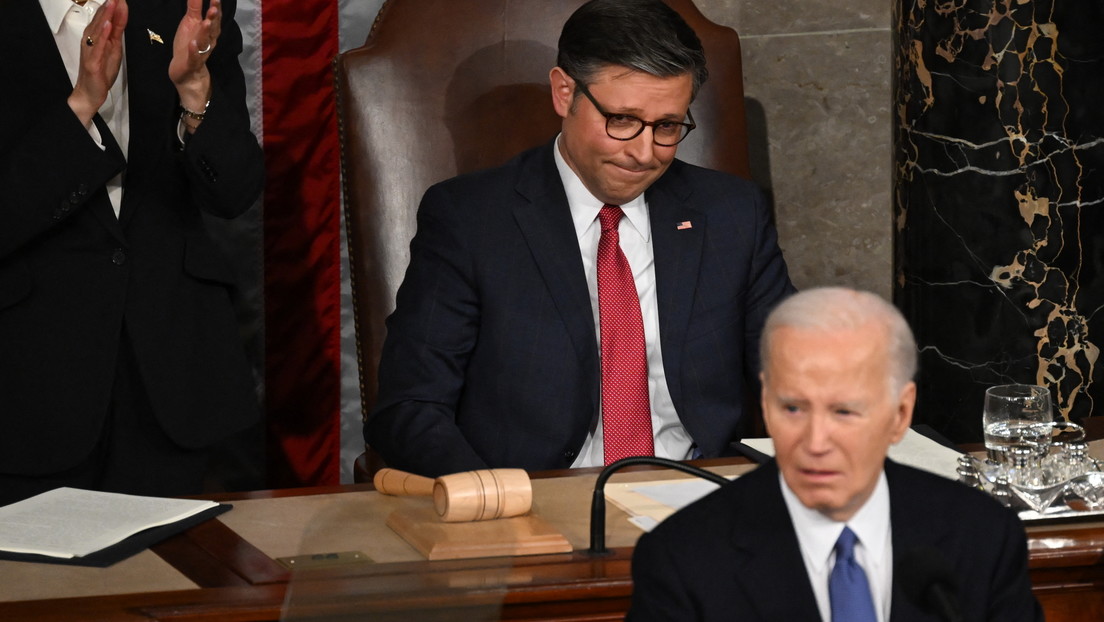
225,568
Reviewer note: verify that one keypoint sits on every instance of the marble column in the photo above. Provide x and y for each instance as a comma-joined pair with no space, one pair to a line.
999,201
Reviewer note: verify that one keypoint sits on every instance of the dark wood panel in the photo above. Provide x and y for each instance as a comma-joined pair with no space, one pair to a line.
240,604
551,587
1073,605
573,587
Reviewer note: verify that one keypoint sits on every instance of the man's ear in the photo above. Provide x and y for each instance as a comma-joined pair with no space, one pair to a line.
563,91
763,400
906,402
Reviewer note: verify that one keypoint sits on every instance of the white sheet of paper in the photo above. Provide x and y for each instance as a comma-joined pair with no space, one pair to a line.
70,522
679,493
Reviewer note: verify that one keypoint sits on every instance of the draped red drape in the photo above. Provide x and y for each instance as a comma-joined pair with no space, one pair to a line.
301,242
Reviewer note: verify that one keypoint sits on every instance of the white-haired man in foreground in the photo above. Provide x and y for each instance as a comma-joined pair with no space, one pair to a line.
830,529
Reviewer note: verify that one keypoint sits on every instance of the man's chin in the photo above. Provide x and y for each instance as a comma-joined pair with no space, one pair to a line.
815,495
619,198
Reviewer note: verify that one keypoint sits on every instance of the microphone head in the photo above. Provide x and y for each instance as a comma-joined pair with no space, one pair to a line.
927,578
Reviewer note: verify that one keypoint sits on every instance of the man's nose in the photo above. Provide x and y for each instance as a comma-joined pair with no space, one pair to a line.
818,434
642,147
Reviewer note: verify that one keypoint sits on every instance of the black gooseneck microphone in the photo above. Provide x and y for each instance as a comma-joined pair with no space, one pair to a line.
926,578
598,502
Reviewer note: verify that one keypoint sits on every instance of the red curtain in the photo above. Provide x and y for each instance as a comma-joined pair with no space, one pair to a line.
301,242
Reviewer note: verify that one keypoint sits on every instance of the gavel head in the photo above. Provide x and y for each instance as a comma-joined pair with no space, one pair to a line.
482,495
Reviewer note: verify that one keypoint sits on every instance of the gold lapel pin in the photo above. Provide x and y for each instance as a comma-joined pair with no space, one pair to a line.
154,37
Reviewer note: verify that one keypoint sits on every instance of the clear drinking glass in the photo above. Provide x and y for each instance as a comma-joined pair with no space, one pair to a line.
1037,482
1016,415
1090,487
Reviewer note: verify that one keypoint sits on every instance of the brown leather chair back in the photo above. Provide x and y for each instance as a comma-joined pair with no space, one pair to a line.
443,87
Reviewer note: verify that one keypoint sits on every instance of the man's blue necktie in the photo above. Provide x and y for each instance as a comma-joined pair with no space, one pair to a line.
848,588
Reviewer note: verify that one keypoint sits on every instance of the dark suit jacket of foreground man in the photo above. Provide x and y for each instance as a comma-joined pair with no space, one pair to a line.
491,358
71,274
734,555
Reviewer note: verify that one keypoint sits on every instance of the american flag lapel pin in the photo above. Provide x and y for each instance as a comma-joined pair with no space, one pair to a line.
153,36
684,225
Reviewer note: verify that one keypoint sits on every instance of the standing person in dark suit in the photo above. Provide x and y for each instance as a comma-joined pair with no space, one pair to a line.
525,336
120,358
837,392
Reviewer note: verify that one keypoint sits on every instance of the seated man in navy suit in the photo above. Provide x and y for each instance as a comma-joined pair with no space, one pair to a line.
594,297
830,529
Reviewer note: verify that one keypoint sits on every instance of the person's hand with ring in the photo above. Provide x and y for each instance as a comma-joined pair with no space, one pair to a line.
101,57
196,37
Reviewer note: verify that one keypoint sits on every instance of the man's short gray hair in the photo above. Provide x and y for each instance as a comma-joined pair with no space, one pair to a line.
841,308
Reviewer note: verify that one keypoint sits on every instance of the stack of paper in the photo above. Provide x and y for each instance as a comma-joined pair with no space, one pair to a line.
69,523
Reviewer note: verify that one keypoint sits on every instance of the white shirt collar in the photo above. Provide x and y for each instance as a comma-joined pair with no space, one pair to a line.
55,11
817,533
585,206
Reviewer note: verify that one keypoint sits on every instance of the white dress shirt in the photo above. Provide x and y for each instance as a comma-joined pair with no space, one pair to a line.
817,535
68,20
671,438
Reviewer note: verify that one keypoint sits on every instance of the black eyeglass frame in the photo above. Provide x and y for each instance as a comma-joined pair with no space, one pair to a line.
643,124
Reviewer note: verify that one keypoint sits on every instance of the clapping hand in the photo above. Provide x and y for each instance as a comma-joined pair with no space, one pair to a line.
101,58
196,37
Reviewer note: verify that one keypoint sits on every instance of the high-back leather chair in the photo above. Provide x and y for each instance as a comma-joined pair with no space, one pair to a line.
443,87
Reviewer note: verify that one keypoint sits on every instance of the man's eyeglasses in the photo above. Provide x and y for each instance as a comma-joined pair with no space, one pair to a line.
627,127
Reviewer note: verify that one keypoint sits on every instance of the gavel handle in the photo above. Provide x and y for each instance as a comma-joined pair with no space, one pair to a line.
394,482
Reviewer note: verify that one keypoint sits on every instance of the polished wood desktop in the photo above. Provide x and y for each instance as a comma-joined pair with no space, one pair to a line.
226,569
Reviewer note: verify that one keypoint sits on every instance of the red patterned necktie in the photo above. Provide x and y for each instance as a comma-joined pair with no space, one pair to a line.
626,415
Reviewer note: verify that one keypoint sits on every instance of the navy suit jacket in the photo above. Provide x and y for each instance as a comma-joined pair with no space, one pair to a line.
733,555
491,357
72,274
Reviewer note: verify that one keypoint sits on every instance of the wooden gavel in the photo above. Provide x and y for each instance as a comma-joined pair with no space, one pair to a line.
466,496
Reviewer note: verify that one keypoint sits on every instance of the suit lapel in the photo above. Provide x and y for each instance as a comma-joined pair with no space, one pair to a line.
545,222
913,528
36,45
768,557
103,210
678,234
150,94
48,75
